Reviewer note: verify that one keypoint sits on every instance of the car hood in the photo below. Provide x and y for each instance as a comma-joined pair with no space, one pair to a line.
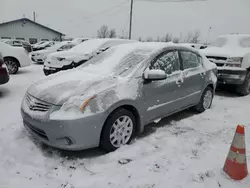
70,55
40,52
58,88
225,52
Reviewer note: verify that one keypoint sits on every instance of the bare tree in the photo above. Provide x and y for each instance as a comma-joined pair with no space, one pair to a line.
112,33
176,40
189,37
149,39
168,37
192,37
158,39
195,38
103,32
140,39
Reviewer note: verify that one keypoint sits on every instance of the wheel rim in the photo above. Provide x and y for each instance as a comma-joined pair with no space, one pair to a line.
12,66
207,99
121,131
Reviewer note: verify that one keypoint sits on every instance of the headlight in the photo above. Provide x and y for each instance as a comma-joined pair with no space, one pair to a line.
74,108
235,59
60,58
79,102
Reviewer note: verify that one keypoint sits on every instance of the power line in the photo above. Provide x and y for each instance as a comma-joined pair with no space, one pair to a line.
106,10
153,1
169,1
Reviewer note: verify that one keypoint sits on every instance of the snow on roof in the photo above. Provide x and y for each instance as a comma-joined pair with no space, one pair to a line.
235,35
91,45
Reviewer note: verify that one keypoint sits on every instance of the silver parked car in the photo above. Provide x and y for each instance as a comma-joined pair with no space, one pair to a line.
109,99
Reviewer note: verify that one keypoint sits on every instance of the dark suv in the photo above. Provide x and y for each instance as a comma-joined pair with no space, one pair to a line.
4,75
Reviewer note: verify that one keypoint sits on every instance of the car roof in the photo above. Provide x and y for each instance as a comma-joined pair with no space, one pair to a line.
235,35
153,46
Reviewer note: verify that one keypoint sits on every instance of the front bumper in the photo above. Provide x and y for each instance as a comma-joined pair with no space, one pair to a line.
234,77
37,60
77,134
52,70
4,76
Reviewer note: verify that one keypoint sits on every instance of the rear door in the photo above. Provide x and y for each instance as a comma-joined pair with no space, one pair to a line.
161,97
193,75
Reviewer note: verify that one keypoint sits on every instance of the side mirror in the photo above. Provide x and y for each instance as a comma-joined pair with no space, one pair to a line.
154,75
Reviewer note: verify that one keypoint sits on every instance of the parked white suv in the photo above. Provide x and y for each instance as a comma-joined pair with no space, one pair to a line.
14,58
231,54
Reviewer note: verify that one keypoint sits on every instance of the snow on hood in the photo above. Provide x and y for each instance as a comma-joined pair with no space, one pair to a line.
88,46
40,52
225,52
227,46
69,55
80,52
58,88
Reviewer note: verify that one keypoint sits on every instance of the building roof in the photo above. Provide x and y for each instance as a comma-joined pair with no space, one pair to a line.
28,20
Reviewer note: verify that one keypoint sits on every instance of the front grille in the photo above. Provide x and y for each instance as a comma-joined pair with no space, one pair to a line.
217,58
37,131
36,104
220,64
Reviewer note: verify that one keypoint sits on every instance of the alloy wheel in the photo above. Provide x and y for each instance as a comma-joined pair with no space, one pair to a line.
207,101
121,131
12,66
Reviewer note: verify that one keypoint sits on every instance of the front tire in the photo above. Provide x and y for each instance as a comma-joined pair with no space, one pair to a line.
205,100
118,130
12,65
244,89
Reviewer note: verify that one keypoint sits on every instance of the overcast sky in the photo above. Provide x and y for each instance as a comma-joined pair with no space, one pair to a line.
84,17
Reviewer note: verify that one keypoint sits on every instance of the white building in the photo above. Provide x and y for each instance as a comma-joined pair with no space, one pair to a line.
26,29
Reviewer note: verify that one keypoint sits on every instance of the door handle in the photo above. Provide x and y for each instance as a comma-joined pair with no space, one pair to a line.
202,74
178,82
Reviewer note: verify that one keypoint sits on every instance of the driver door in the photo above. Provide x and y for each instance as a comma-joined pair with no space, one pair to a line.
160,97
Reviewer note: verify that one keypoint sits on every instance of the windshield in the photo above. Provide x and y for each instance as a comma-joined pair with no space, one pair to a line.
110,62
66,47
41,42
219,42
56,46
88,46
245,42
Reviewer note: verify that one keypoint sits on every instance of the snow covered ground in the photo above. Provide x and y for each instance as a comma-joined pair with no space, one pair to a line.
186,150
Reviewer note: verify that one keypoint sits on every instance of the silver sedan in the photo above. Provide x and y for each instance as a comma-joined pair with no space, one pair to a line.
109,99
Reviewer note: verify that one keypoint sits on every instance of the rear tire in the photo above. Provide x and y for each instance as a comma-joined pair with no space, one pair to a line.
244,89
205,100
116,134
12,65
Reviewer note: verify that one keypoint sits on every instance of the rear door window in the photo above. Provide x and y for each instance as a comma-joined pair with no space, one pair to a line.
17,43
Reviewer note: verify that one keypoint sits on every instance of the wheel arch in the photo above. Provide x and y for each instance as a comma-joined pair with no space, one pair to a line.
13,58
130,107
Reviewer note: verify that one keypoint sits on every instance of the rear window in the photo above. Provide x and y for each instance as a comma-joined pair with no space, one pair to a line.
245,42
220,42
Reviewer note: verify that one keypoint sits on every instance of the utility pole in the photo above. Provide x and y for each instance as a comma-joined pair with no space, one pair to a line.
208,34
131,19
34,16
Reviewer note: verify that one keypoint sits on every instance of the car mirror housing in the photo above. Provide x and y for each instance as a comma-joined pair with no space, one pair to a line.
154,75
